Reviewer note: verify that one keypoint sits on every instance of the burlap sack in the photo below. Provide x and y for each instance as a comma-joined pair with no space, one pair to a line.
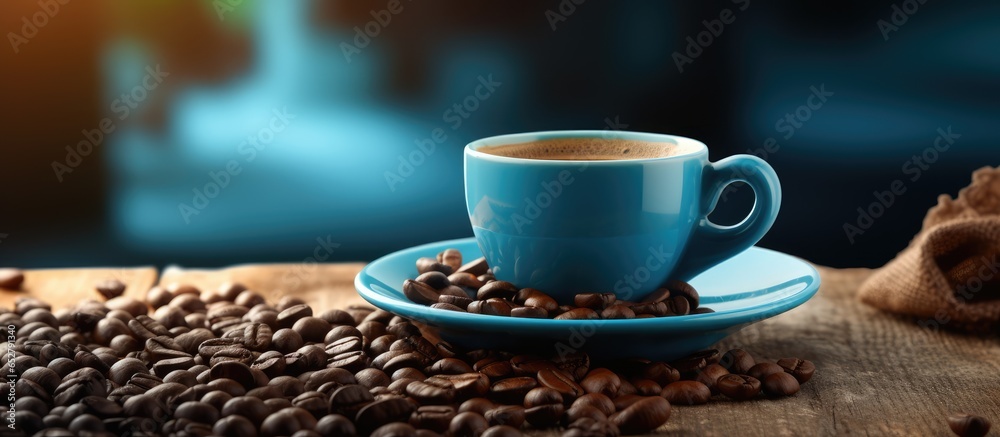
949,275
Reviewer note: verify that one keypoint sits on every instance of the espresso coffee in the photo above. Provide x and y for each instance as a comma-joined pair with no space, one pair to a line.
588,149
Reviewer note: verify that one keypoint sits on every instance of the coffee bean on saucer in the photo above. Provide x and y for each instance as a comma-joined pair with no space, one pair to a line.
110,288
11,279
686,393
529,312
802,370
492,307
453,290
655,309
436,280
451,258
617,311
680,288
594,301
737,361
465,280
448,307
425,265
763,370
534,298
702,310
780,384
579,314
738,387
677,306
497,289
419,292
967,425
475,267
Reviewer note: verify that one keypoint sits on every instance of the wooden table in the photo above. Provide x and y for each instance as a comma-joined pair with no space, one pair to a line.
877,374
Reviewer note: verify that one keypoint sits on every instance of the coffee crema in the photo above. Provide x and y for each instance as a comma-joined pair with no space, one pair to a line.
588,149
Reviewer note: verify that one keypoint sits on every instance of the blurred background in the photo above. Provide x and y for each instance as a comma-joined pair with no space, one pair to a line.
208,133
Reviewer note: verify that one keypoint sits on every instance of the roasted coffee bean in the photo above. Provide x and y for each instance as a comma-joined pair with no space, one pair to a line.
420,293
380,345
476,267
465,280
395,429
531,297
235,371
737,361
689,365
335,425
599,401
108,328
372,378
512,390
594,301
286,422
272,363
579,314
738,387
780,384
530,365
509,415
685,290
467,424
432,391
312,329
425,265
658,295
490,307
686,393
287,340
617,311
350,361
337,317
467,385
761,371
198,412
677,306
432,417
236,354
497,289
435,280
447,307
288,317
235,426
495,368
587,427
642,416
408,372
162,367
157,297
11,279
529,312
462,302
248,299
646,387
655,309
967,425
40,315
576,364
477,405
451,258
314,402
181,376
257,337
802,370
228,386
709,375
543,407
121,371
601,380
349,399
306,358
660,372
339,376
383,411
450,366
371,329
561,382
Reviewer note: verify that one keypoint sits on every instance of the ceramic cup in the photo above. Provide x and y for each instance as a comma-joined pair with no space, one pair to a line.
624,226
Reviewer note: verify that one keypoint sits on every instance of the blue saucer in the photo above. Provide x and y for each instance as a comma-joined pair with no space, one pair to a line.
752,286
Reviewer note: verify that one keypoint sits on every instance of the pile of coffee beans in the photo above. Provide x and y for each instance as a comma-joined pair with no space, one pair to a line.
227,363
447,284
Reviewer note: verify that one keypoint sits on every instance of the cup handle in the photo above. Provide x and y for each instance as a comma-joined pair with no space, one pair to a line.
710,243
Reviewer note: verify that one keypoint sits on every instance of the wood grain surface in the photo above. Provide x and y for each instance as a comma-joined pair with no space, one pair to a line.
876,374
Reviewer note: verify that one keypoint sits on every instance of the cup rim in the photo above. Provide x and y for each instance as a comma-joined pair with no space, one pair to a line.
472,149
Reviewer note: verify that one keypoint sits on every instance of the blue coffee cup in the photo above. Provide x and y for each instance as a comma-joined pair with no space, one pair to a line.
627,226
